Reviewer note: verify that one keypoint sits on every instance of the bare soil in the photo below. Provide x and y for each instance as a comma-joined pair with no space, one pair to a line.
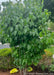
7,73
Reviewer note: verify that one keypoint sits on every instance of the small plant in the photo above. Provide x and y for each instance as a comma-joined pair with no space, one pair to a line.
52,68
5,52
43,67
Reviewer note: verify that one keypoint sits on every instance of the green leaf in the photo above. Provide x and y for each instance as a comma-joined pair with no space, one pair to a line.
28,47
11,29
15,32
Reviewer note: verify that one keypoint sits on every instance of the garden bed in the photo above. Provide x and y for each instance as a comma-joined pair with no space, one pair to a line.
33,73
36,71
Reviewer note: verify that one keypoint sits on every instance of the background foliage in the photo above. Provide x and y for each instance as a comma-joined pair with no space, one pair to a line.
49,4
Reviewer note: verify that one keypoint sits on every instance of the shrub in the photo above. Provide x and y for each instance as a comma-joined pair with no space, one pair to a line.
6,63
5,52
6,60
25,25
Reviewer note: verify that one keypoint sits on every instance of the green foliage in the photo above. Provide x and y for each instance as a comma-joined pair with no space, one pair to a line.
43,67
51,38
52,26
51,49
49,4
6,60
51,29
24,25
5,52
52,68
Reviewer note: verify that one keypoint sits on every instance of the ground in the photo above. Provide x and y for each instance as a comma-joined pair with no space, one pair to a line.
7,73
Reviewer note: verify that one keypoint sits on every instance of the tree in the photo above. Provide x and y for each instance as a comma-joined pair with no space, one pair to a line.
23,25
